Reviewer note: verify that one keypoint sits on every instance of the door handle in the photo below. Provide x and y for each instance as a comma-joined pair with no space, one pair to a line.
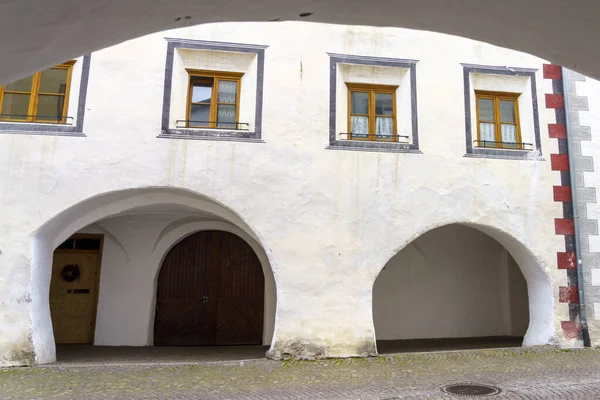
205,299
80,291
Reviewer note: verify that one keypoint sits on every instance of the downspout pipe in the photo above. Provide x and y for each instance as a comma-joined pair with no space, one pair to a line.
582,310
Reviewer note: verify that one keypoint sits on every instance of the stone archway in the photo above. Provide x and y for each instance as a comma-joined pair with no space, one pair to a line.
116,288
80,27
459,281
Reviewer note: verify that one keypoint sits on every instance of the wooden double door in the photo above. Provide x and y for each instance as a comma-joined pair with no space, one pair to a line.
210,292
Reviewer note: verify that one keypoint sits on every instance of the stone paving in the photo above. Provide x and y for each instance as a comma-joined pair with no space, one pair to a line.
540,373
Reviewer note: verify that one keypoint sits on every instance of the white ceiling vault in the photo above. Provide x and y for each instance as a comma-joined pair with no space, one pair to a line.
39,33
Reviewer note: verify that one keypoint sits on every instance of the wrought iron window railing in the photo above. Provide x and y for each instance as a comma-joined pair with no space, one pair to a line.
374,137
491,144
191,123
35,119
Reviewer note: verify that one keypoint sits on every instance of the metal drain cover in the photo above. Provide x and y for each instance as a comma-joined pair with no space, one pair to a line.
471,390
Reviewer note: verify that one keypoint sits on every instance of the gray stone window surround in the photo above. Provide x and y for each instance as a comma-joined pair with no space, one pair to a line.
212,134
363,145
28,128
475,152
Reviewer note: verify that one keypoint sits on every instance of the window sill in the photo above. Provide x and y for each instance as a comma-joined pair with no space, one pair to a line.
26,128
211,134
364,145
505,154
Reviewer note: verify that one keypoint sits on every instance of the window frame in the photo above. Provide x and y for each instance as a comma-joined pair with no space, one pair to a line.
34,95
214,103
497,97
372,90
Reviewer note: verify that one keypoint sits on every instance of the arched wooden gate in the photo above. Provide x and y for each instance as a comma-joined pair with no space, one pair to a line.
210,292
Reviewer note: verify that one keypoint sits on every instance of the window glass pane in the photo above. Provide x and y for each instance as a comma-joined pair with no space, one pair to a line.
199,115
227,91
486,110
507,111
87,244
15,105
54,80
383,104
226,116
487,132
359,102
67,244
385,126
23,85
360,126
509,133
201,91
50,108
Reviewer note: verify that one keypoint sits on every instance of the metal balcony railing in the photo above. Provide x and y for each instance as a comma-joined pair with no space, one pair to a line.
375,137
491,144
46,119
236,126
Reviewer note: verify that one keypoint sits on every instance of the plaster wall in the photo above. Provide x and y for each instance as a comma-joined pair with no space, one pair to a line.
453,281
314,211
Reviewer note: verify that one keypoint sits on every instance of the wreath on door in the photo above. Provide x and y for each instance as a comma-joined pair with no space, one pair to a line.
70,272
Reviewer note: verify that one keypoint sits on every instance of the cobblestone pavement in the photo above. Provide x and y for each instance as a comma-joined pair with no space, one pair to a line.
542,373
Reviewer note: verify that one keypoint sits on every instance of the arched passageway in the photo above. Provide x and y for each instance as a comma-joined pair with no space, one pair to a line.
71,29
97,265
453,287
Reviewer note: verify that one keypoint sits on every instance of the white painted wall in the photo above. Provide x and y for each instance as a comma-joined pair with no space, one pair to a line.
451,282
328,220
131,259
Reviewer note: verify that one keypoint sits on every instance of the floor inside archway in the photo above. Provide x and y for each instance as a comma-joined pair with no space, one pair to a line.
433,345
73,354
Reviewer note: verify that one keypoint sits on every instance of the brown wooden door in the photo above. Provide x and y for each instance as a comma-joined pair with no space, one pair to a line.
240,294
210,291
73,295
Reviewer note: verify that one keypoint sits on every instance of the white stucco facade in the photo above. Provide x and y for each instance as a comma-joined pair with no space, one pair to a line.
323,222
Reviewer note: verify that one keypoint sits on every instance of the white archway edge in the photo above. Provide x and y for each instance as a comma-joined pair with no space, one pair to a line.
179,230
541,328
83,214
456,281
75,28
324,308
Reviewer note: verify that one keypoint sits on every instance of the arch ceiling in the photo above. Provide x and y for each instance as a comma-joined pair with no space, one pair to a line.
39,33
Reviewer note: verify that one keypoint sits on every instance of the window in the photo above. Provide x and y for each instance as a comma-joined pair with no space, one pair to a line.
498,120
372,112
214,100
43,97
